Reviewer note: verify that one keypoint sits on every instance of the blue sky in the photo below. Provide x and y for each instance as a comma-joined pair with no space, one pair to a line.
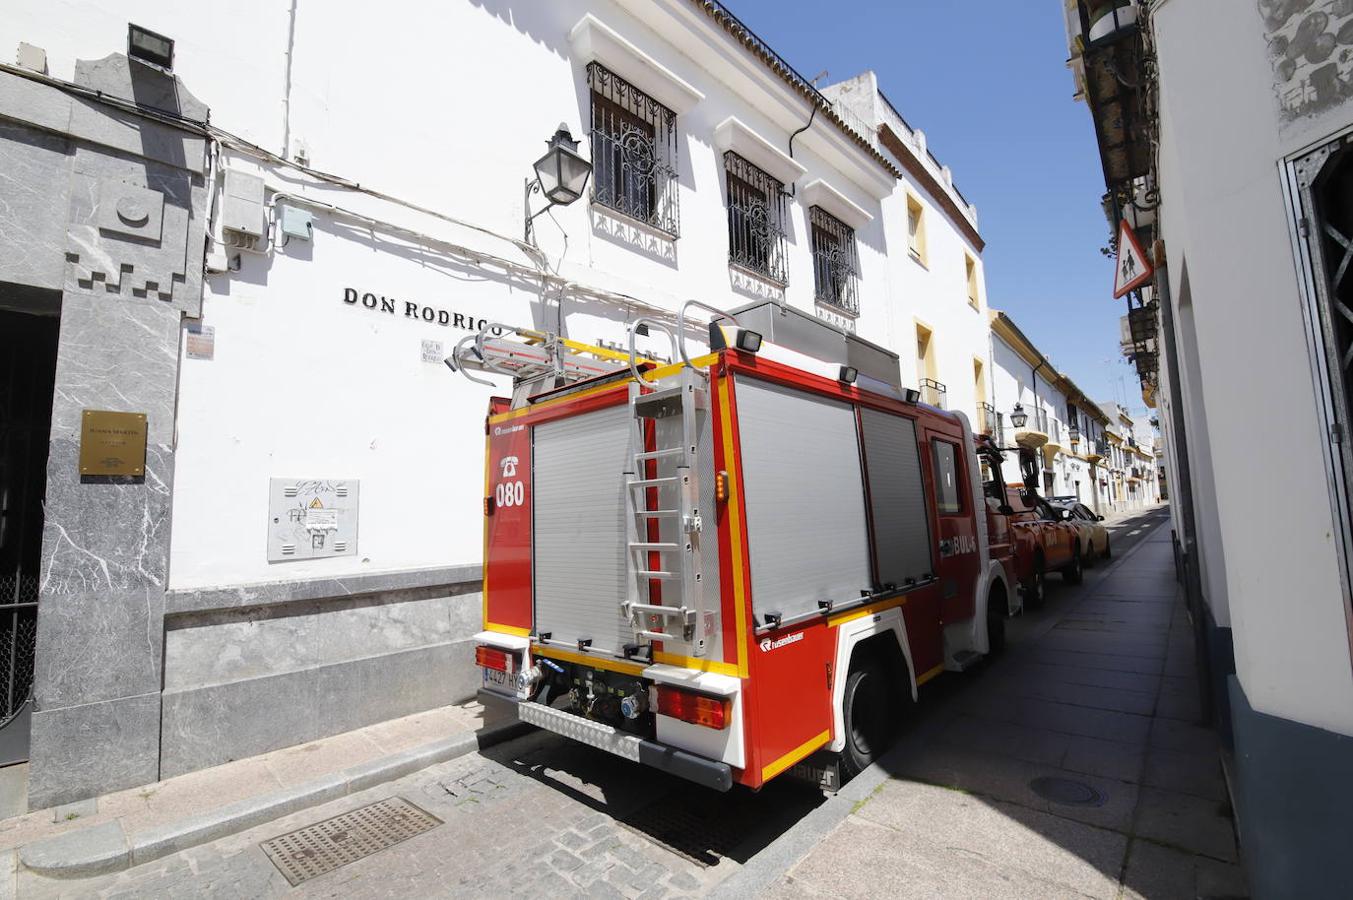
988,84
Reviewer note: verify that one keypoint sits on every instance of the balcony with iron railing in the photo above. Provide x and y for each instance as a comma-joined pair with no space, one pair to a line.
933,392
986,419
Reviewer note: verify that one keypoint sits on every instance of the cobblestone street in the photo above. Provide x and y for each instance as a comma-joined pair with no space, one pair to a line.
544,816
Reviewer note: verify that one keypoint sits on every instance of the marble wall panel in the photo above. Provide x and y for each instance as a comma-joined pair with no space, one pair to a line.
116,355
34,178
235,646
101,597
83,751
208,726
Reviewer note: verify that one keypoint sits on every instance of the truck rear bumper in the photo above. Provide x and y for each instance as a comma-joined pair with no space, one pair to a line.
707,772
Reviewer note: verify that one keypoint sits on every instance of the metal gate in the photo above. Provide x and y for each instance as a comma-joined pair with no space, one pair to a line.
27,373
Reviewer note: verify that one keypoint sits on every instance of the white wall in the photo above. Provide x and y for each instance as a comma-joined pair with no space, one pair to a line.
1224,222
449,114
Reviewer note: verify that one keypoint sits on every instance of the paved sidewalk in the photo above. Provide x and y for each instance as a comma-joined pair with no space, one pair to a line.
133,826
1096,704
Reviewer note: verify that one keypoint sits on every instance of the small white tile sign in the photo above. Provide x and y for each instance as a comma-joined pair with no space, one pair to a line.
201,342
432,352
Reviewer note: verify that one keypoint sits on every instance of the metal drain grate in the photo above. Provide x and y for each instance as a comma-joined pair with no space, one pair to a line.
1067,791
316,849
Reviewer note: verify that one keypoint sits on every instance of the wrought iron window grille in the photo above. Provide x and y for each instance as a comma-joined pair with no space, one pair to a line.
835,262
757,213
634,152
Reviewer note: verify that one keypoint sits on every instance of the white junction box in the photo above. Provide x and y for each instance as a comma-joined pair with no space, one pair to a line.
311,517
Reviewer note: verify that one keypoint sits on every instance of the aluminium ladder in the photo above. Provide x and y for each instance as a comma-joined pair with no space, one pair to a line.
669,560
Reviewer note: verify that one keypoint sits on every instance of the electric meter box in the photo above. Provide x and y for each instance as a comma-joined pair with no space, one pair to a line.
310,518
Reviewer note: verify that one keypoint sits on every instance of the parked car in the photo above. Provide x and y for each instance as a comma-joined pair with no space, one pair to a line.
1043,542
1094,537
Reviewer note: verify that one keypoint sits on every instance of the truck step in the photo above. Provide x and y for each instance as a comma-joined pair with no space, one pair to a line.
660,404
966,659
653,545
658,454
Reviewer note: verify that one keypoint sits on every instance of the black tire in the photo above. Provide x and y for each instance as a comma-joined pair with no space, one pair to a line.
1088,553
997,608
1075,572
1108,551
868,711
1036,590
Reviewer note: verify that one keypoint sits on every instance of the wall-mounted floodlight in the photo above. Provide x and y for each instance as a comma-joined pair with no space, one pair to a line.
561,175
748,341
911,395
144,45
848,375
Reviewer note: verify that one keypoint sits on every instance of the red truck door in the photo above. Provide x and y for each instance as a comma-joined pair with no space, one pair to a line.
956,524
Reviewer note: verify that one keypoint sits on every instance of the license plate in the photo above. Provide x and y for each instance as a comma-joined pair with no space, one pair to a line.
507,684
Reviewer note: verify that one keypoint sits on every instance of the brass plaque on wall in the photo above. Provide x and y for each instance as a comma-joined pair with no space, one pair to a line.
112,443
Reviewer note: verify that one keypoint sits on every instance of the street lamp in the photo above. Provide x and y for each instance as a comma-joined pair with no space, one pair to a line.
561,175
1018,417
1074,433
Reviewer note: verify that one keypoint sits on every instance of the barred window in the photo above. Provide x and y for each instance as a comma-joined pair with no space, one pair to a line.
835,264
756,219
634,151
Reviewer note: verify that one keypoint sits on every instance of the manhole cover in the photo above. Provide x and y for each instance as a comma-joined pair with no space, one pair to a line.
311,851
1066,791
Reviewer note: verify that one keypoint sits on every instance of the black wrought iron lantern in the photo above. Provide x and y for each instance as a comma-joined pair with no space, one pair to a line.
1018,417
562,171
1073,431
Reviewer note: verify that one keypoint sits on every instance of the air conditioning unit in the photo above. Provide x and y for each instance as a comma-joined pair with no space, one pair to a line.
243,215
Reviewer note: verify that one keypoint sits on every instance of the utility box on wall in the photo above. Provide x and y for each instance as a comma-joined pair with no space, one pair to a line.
311,517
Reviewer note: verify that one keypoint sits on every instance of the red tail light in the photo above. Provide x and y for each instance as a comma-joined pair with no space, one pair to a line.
493,658
698,709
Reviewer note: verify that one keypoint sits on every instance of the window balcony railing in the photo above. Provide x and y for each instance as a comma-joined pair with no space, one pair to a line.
933,392
634,152
986,419
835,264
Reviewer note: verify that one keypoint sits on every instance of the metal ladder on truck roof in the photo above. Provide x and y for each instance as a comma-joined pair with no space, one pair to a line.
670,558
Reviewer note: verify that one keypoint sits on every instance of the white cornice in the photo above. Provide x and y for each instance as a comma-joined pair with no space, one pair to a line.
693,33
593,39
733,134
818,193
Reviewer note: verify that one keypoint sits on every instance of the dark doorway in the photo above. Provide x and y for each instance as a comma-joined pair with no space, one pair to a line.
27,376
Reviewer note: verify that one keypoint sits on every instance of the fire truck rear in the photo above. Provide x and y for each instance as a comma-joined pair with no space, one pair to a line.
732,565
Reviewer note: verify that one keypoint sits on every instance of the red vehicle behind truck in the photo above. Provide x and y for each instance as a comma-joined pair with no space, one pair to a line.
730,566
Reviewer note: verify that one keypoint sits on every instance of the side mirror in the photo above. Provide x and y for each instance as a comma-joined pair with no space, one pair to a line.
1005,509
1099,518
1028,501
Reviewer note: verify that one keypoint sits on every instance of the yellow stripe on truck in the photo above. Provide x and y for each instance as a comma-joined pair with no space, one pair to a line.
735,532
793,756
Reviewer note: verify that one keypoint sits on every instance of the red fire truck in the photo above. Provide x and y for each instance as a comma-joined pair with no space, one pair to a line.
737,564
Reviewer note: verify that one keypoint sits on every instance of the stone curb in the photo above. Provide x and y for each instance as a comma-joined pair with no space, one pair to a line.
104,848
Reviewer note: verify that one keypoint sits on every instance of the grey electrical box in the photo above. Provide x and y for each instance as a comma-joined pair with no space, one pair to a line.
806,333
242,205
311,517
296,222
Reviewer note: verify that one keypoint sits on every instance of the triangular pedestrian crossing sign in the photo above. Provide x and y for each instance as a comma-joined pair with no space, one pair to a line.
1133,269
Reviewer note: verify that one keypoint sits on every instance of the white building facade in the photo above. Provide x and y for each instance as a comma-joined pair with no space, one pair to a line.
936,280
358,218
1224,134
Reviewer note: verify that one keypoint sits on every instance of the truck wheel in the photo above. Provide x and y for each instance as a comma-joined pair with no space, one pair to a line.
997,607
866,712
1035,589
1073,573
